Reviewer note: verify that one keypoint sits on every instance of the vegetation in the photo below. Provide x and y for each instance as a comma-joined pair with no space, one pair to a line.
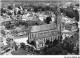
58,48
17,23
23,46
70,13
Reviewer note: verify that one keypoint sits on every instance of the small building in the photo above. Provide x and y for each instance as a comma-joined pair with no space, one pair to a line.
40,34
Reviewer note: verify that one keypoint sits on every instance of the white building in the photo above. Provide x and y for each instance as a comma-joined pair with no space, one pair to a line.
20,40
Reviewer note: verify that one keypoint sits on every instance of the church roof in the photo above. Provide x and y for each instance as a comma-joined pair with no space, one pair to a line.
43,27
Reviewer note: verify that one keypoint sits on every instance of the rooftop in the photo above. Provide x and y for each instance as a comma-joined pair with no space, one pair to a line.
43,27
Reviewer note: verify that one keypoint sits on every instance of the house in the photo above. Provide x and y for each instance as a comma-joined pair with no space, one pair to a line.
40,34
70,26
66,19
66,33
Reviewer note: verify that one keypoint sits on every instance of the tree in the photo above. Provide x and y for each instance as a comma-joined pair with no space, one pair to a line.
33,43
47,42
76,15
10,7
23,46
68,45
15,46
47,20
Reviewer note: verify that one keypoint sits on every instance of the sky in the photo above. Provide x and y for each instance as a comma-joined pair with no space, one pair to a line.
40,0
10,1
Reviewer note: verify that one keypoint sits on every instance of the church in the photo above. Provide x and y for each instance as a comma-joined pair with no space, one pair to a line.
40,34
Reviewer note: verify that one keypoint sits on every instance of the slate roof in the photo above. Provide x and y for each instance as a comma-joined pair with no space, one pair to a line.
43,27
